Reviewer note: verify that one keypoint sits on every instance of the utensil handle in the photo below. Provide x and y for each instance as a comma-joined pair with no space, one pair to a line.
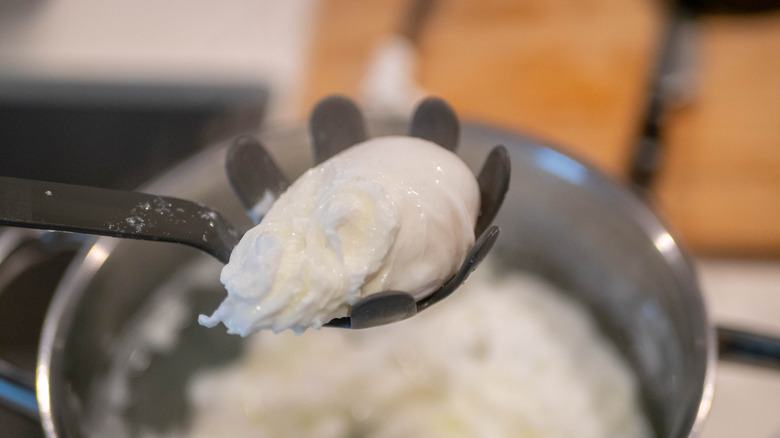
116,213
749,348
671,86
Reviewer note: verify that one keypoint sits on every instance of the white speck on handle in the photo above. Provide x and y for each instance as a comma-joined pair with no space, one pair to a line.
135,222
48,193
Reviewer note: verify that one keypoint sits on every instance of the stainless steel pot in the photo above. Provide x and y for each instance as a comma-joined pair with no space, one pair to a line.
562,219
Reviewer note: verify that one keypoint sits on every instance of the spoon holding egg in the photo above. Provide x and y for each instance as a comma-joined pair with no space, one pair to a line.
377,231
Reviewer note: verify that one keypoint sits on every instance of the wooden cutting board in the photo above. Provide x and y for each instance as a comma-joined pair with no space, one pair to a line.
575,72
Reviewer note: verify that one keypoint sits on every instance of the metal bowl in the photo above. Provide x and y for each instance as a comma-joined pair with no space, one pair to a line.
562,219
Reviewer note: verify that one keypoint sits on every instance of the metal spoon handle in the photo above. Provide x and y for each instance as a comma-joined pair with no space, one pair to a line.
65,207
749,348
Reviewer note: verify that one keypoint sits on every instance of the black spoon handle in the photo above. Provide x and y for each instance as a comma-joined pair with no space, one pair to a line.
90,210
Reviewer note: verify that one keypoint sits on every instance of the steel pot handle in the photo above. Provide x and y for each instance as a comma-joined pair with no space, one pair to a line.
17,386
749,348
17,256
17,391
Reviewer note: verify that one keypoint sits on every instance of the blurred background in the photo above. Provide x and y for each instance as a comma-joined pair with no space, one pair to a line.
681,102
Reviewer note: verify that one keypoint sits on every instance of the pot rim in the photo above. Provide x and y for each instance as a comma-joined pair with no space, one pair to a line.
61,311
